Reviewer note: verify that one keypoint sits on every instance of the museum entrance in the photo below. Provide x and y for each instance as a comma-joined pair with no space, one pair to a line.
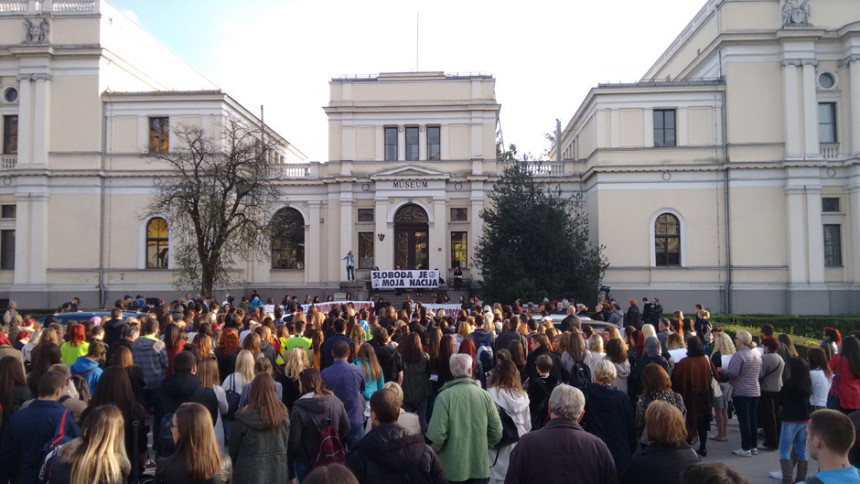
411,237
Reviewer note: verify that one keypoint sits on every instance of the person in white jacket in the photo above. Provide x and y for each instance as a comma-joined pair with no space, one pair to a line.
508,393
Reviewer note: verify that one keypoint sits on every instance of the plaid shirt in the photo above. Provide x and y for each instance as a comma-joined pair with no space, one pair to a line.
151,356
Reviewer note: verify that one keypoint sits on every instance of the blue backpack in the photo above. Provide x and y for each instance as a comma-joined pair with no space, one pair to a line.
51,448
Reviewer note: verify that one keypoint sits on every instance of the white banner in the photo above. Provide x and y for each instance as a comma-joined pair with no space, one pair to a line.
404,279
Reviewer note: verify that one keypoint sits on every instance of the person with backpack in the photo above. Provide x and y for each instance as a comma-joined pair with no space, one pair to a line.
96,456
512,402
484,340
318,425
183,386
260,436
88,366
30,429
389,452
540,388
577,362
416,377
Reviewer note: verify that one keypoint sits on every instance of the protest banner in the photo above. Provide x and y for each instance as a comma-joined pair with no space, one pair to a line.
404,279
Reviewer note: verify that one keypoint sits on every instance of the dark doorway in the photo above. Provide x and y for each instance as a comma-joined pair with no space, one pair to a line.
411,237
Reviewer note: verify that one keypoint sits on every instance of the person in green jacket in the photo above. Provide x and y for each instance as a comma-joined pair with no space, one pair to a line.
464,425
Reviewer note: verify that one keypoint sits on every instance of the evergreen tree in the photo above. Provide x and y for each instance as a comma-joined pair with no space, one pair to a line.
535,242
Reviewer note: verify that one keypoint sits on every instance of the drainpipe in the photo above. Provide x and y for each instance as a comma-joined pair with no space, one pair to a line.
102,290
726,208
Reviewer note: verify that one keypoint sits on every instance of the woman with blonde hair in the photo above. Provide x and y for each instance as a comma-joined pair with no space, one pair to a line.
595,348
675,342
722,346
508,394
667,454
261,435
98,455
743,372
207,371
463,332
244,373
297,360
198,457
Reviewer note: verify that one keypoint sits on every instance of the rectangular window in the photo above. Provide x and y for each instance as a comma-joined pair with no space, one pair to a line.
9,211
827,123
459,249
365,215
832,245
459,215
7,249
412,143
829,204
365,250
391,144
664,128
10,135
159,129
433,143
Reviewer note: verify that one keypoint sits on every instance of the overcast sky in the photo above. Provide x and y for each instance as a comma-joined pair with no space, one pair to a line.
545,55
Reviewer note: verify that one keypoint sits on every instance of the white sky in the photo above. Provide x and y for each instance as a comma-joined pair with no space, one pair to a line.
545,55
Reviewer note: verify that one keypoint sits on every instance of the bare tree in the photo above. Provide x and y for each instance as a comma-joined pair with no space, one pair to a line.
217,195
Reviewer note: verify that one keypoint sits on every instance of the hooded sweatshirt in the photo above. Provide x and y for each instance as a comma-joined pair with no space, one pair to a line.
389,360
309,416
83,365
390,454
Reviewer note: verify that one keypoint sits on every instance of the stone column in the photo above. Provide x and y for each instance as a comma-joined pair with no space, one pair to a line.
401,143
854,223
41,119
422,142
383,250
475,226
313,246
815,246
796,235
25,118
792,110
438,237
31,236
347,227
854,68
810,111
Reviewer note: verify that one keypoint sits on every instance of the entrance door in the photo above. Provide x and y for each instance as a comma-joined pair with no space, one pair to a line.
411,238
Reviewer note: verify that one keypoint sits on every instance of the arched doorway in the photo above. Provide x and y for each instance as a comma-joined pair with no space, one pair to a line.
411,237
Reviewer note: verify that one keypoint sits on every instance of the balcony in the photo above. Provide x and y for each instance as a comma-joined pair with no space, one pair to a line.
291,171
7,162
830,151
18,7
540,168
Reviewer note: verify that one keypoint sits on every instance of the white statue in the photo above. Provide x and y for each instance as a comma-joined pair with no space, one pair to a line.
795,12
36,32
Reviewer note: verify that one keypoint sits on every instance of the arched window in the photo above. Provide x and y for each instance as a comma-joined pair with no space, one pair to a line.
288,239
157,237
667,240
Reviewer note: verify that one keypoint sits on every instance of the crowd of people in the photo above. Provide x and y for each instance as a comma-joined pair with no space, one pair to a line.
197,391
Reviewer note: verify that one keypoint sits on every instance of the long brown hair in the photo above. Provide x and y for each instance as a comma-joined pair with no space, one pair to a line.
411,349
818,361
368,362
506,377
101,456
311,381
11,375
122,357
196,445
265,399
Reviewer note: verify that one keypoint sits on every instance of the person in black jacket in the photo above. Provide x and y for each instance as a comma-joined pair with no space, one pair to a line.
388,453
794,398
558,372
667,454
114,327
389,358
183,386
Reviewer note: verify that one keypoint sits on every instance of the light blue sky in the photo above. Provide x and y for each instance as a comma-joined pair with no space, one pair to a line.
545,55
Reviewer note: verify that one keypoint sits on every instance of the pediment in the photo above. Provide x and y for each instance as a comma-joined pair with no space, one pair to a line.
410,171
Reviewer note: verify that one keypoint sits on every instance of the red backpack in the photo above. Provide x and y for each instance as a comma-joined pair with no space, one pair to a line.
330,448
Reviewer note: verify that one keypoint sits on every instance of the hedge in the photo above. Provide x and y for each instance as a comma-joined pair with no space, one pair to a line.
808,326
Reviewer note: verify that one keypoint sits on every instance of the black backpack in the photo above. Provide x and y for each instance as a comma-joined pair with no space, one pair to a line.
510,435
580,375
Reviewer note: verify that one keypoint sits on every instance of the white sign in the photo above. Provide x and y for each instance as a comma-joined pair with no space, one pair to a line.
678,354
725,360
404,279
